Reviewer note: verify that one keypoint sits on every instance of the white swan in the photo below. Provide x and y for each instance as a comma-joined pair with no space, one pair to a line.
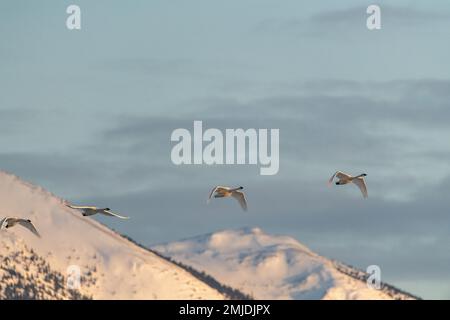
90,211
224,192
345,178
10,222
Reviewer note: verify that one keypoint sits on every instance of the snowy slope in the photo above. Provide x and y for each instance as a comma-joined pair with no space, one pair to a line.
111,266
273,267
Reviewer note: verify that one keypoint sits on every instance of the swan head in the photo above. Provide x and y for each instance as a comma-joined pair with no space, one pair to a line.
29,220
240,188
107,209
363,175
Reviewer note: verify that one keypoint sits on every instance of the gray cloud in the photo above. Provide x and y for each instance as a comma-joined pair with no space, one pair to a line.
66,173
407,16
353,19
324,126
344,118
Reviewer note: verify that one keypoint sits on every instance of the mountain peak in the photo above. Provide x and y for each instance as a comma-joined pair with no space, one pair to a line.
272,267
111,266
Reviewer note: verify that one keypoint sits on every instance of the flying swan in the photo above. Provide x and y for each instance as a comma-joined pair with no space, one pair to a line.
90,211
224,192
10,222
345,178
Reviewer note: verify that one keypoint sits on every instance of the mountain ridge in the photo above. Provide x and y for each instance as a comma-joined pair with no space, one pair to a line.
274,267
118,268
246,263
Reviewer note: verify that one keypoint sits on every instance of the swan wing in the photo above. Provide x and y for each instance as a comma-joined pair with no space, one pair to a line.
3,223
110,213
27,224
217,189
332,178
361,183
342,175
240,196
81,207
212,192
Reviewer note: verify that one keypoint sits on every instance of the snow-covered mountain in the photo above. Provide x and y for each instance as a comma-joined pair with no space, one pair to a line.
111,266
274,267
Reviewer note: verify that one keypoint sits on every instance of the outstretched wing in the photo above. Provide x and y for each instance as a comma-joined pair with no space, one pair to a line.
3,223
27,224
361,183
240,196
216,188
340,175
81,207
110,213
332,178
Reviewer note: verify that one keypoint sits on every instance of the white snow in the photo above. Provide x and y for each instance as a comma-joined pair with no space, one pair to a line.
268,267
118,268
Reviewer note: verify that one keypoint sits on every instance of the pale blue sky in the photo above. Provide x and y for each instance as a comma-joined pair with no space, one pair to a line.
88,114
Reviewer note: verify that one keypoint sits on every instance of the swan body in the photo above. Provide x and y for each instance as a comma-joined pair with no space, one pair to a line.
90,211
224,192
10,222
344,178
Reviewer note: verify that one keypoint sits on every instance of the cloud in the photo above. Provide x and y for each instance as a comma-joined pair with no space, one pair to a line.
320,132
338,117
381,128
353,19
406,16
378,128
65,173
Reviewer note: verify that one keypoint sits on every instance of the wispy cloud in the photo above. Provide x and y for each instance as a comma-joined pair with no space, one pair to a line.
353,19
